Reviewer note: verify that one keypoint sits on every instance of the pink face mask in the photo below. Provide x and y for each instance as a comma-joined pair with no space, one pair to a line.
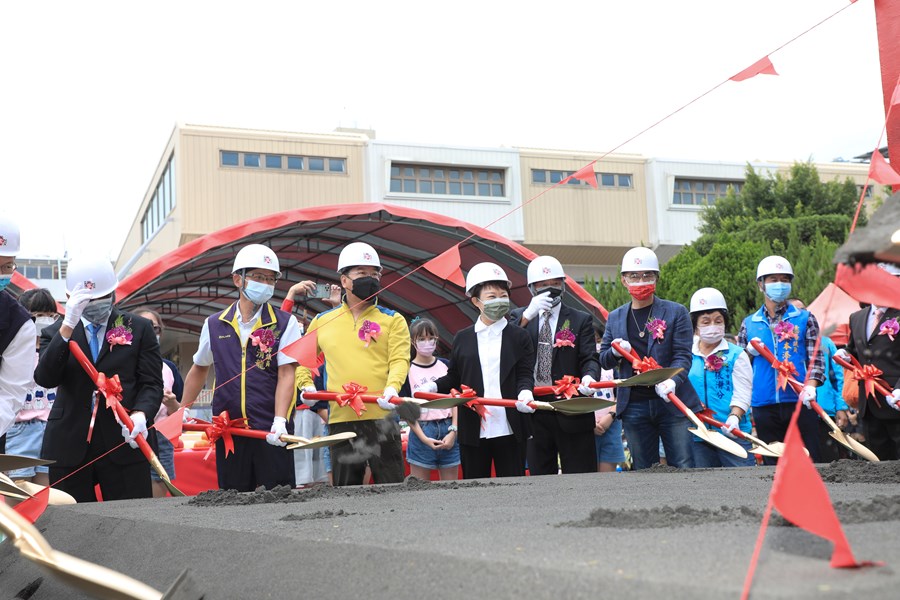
426,347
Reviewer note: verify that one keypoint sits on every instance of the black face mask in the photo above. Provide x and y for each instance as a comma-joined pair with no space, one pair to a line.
365,287
555,294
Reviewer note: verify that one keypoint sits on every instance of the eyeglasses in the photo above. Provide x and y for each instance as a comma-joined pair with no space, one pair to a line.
8,268
260,278
648,277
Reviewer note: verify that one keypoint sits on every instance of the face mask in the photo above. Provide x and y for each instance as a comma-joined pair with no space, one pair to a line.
495,309
365,287
555,294
711,334
4,281
641,291
426,347
258,293
778,292
97,311
41,322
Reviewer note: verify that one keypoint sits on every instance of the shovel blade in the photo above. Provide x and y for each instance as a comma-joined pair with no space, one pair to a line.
853,446
321,442
650,378
763,452
580,405
444,403
720,441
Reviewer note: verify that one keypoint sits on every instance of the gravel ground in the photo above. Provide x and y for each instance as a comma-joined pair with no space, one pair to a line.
632,535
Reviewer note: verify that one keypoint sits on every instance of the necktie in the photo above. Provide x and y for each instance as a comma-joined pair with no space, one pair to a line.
544,352
94,340
876,318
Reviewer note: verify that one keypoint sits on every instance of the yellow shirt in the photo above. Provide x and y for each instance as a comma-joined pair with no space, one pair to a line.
385,363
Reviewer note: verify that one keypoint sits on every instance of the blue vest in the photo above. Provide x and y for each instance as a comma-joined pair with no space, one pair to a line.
765,387
716,388
248,376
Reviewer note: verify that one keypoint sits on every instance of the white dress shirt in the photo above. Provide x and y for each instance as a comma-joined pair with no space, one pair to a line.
16,373
204,355
741,374
490,339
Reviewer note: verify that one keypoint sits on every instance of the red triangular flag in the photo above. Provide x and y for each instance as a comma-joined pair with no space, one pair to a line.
870,284
304,351
800,496
763,66
171,425
587,175
881,171
895,98
33,507
446,266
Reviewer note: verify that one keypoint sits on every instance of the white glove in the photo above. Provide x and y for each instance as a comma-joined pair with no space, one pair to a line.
894,399
186,416
525,396
309,403
585,388
843,355
140,428
750,347
807,395
75,306
730,425
626,346
278,429
429,387
384,401
539,303
664,388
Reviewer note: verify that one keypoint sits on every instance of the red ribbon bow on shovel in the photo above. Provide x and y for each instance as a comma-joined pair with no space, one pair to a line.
566,387
648,363
353,397
468,392
786,370
221,427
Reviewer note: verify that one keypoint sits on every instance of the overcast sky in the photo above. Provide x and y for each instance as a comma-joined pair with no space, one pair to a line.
94,89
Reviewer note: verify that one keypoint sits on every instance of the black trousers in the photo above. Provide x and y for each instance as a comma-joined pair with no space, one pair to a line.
772,422
252,464
377,444
505,453
551,448
882,436
117,482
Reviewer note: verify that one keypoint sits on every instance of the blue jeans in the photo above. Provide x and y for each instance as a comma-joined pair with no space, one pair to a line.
648,421
708,456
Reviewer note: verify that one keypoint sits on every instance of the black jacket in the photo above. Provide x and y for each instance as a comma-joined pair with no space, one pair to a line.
877,350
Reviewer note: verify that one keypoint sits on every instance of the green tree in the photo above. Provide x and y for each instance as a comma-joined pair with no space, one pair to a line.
608,291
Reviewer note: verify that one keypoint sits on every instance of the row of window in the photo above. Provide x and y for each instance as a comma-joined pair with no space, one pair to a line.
257,160
455,181
607,180
161,204
37,271
702,192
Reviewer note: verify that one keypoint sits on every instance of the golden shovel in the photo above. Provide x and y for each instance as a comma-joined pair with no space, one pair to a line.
301,443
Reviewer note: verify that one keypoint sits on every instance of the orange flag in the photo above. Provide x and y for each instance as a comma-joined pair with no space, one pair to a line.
881,171
585,174
304,351
870,284
763,66
446,266
171,425
800,496
33,507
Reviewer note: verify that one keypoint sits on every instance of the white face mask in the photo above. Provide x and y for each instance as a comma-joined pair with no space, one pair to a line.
711,334
426,347
41,322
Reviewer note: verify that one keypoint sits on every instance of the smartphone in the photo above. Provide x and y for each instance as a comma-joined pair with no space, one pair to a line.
323,290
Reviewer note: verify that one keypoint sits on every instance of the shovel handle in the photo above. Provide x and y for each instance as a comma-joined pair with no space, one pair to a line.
879,387
599,385
632,355
716,423
368,398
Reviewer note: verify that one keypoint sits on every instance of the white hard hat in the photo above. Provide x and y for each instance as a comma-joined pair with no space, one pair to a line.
706,299
640,259
543,268
256,256
891,268
774,265
9,237
482,272
358,254
93,273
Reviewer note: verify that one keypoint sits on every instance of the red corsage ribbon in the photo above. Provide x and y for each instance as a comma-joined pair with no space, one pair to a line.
648,363
352,397
466,392
785,370
869,374
566,387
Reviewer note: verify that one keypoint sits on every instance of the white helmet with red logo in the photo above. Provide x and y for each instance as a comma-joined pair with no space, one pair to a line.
640,259
93,273
543,268
484,272
774,265
256,256
706,299
358,254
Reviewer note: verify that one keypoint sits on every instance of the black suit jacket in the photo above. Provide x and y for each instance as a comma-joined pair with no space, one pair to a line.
578,361
876,350
139,367
516,374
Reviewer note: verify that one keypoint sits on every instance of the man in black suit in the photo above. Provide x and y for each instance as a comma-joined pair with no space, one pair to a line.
564,342
496,359
870,342
118,343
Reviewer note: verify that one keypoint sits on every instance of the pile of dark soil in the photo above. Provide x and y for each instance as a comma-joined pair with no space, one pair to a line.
861,471
666,516
319,514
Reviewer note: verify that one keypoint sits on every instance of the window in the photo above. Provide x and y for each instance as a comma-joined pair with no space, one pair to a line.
336,165
316,164
273,161
606,180
251,160
702,192
163,200
282,162
295,163
436,179
229,159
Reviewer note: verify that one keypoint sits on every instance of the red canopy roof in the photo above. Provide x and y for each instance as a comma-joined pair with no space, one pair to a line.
194,281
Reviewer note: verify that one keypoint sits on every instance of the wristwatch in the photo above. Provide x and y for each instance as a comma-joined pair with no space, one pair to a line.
613,415
453,428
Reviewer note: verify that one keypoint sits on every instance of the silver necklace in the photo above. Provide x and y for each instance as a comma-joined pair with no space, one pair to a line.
641,331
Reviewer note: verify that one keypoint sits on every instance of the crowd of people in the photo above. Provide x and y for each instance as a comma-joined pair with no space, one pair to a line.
49,406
